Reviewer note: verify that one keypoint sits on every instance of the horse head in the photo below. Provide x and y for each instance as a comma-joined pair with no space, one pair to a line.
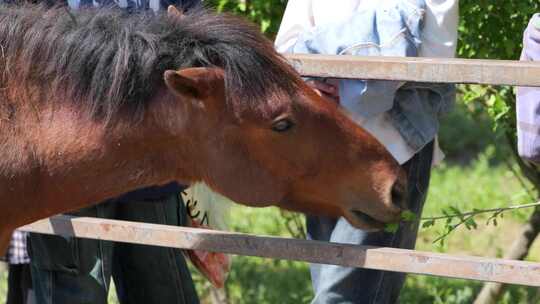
297,151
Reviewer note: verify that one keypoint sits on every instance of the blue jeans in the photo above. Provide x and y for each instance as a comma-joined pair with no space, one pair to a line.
336,284
77,271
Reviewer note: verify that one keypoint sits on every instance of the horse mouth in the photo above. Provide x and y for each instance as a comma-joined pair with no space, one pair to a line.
364,221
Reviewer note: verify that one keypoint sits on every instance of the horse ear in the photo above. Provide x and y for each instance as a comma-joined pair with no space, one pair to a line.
193,82
173,12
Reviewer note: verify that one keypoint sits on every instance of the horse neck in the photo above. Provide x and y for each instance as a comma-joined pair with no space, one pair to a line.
65,163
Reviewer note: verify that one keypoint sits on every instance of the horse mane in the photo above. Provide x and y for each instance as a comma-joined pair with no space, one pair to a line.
106,60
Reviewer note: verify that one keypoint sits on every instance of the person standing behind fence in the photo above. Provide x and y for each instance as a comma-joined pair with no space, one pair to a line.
528,99
20,289
403,116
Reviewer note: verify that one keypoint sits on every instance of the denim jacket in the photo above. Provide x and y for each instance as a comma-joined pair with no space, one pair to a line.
389,28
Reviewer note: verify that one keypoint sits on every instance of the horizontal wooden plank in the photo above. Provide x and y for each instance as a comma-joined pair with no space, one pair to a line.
421,69
392,259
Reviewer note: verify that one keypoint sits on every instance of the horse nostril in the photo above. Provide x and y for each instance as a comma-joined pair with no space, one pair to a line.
399,196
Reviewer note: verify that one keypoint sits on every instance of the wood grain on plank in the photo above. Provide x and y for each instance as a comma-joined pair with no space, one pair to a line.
420,69
392,259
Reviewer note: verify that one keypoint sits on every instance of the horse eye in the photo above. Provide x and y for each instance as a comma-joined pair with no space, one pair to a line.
282,125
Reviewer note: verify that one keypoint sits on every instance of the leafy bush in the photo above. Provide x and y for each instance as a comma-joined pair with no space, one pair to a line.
493,30
266,13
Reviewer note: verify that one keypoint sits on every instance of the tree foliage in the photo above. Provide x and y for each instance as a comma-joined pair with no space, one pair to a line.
493,30
266,13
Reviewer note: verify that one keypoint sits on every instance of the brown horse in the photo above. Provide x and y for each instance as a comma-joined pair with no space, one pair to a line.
98,103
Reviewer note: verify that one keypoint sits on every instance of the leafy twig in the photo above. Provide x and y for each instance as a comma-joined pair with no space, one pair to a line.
467,218
482,211
468,221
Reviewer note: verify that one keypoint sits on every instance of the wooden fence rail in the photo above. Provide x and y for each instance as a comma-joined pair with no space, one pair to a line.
391,259
447,70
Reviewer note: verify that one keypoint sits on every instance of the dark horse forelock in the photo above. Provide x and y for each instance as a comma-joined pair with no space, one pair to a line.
105,60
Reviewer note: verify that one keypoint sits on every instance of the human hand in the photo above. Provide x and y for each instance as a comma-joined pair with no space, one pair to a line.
327,89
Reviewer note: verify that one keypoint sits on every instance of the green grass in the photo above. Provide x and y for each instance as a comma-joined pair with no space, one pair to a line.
3,285
479,185
425,289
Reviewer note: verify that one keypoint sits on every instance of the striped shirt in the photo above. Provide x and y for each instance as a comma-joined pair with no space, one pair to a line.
17,251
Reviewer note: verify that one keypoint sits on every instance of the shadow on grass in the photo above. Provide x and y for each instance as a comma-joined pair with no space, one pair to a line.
463,137
256,280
